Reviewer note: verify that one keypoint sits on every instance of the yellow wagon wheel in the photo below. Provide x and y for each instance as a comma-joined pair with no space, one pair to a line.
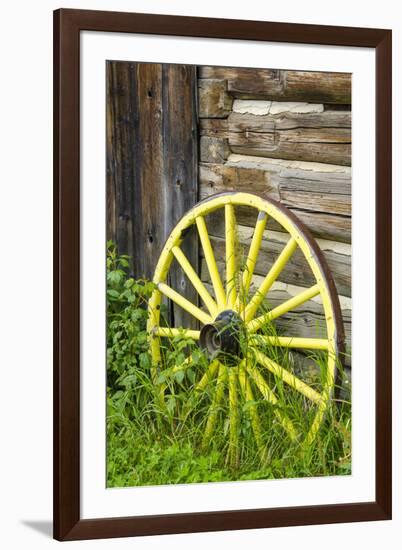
232,316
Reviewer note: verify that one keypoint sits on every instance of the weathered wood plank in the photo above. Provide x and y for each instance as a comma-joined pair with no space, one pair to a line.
213,99
148,233
317,137
267,123
120,116
321,225
320,194
327,226
180,169
319,187
281,85
152,163
315,146
289,120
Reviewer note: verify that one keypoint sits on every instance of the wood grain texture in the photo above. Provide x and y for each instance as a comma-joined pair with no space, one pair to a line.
213,99
316,137
319,194
179,175
319,187
213,149
151,163
279,85
120,133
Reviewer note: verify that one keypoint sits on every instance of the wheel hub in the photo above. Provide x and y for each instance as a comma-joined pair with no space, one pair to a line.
222,337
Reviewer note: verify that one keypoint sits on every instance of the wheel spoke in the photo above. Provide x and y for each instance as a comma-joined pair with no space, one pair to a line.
288,377
230,236
252,410
168,332
316,423
195,281
215,405
290,304
210,260
269,396
253,254
271,277
262,385
184,303
208,375
290,342
184,365
233,419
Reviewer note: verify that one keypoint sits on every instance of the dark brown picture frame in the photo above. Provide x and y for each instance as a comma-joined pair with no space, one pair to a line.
67,26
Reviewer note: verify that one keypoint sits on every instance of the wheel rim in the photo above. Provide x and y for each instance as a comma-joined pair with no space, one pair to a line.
242,378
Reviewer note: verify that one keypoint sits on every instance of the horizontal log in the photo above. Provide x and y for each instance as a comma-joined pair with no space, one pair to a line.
316,137
306,321
319,194
299,185
327,226
297,270
324,226
289,119
213,99
281,85
268,123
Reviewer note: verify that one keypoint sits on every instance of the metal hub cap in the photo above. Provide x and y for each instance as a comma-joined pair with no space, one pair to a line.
222,337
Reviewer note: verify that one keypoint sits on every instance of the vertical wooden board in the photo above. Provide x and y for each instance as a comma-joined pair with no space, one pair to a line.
149,192
152,165
120,123
180,135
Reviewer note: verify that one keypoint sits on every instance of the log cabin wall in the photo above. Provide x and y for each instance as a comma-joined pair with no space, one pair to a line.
282,134
285,135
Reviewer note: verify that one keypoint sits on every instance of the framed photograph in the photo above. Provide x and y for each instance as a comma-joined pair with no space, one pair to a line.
222,238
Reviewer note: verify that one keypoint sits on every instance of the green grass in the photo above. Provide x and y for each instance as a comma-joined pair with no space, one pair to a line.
152,444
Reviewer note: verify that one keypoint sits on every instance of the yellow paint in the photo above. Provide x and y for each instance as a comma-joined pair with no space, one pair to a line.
290,304
184,303
215,406
168,332
288,377
252,409
230,236
273,274
208,376
196,216
252,258
211,263
234,419
269,395
290,342
195,281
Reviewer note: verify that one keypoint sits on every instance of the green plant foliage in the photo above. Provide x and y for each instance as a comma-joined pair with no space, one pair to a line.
150,443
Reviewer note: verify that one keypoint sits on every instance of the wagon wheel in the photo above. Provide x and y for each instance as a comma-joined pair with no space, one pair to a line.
233,315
